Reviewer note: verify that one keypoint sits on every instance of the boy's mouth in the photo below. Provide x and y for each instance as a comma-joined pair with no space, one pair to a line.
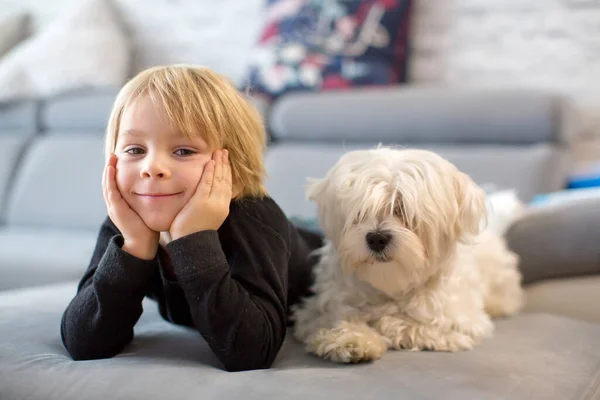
157,195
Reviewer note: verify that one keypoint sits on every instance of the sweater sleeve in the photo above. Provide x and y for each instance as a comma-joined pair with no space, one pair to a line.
99,321
238,307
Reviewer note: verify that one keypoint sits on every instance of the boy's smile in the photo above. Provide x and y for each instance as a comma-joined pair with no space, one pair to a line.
158,168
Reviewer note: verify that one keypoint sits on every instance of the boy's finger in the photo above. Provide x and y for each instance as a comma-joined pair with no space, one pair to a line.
227,174
206,181
114,196
218,167
109,163
227,183
104,173
105,178
112,160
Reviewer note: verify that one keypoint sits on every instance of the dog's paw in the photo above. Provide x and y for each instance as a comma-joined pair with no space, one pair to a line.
344,345
451,341
415,337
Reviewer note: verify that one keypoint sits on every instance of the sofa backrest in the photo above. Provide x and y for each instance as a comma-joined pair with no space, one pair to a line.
58,181
502,138
507,139
17,127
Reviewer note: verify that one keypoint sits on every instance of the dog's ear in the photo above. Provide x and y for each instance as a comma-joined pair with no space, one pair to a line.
314,188
472,211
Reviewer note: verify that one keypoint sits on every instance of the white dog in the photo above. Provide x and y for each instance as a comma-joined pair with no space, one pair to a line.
408,263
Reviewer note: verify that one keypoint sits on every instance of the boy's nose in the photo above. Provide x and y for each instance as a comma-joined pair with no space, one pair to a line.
155,169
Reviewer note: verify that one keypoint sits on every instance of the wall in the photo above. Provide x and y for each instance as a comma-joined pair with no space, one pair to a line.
548,44
215,33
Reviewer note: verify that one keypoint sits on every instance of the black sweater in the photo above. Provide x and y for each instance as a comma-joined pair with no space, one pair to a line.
234,286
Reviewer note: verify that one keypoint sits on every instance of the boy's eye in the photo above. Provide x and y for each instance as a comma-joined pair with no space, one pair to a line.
184,152
135,151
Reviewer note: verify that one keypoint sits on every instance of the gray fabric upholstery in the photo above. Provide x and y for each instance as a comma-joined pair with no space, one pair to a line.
263,106
18,117
575,297
419,115
529,169
85,111
558,241
34,256
530,356
59,184
11,147
55,208
78,112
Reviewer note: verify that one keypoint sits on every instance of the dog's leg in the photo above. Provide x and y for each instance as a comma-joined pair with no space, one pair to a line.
499,270
504,294
348,342
411,335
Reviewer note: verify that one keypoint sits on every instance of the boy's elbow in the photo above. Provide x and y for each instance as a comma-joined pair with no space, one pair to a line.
81,350
247,365
255,360
85,354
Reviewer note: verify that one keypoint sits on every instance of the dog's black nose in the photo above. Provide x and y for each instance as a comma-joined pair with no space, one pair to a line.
377,241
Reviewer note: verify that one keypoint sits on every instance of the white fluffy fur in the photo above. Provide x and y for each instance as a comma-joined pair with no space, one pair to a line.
436,285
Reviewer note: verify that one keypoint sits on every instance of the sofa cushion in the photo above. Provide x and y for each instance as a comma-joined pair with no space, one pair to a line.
11,148
420,115
59,183
525,355
34,256
80,111
528,169
18,117
558,240
576,297
319,46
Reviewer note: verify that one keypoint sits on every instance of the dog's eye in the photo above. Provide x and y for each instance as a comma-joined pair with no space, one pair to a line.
399,212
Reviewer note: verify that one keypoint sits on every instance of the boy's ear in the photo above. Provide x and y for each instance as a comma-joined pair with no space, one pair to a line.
235,192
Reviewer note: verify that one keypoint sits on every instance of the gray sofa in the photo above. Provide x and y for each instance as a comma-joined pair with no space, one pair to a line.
51,160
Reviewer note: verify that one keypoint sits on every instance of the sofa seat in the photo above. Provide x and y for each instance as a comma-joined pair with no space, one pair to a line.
530,356
32,256
576,297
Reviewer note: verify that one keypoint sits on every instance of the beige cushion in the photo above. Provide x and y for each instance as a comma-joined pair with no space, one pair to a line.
14,28
575,297
84,48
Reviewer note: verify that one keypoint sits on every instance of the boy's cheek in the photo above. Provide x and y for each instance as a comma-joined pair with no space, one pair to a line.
122,182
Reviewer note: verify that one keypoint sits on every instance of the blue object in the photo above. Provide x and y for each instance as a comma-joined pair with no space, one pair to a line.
584,182
565,196
585,179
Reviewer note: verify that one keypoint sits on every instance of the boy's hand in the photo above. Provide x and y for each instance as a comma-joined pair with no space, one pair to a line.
209,206
139,240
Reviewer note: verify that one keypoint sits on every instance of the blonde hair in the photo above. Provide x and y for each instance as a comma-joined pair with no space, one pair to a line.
199,101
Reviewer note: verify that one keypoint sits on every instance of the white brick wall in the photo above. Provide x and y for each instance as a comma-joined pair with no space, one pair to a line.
548,44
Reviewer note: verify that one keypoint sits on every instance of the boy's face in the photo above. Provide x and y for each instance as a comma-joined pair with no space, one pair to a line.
158,168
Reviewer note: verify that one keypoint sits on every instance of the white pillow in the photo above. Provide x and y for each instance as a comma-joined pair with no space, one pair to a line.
85,48
504,208
14,28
